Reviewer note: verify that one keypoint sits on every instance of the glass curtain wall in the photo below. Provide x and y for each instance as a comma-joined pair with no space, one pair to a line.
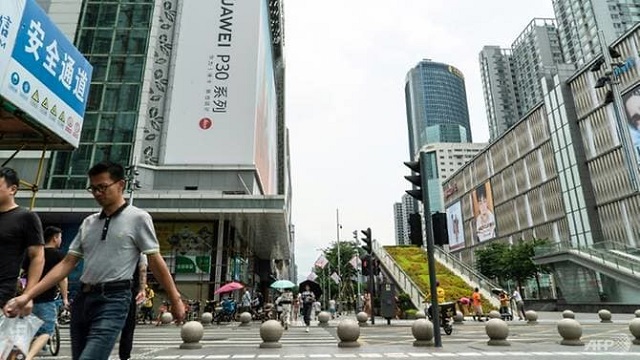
114,36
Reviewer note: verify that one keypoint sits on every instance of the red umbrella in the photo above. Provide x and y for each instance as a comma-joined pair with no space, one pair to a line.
229,287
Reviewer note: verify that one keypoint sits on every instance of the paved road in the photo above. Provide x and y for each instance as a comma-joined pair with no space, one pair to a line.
394,342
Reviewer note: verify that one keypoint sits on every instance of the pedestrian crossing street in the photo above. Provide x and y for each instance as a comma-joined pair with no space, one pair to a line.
235,342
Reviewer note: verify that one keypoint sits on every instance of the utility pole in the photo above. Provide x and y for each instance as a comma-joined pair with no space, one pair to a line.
368,248
358,273
338,226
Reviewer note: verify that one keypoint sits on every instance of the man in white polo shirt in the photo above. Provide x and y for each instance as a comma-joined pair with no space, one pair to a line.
110,242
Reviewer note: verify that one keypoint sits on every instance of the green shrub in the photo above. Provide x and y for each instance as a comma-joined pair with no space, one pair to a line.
413,261
404,302
411,313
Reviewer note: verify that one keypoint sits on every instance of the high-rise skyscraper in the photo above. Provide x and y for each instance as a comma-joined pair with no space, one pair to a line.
580,20
535,53
436,105
498,88
401,212
512,77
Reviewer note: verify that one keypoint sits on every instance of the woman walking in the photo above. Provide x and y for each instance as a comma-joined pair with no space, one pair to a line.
308,298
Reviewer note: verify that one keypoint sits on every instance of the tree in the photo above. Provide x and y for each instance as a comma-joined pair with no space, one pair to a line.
521,263
510,262
493,260
347,272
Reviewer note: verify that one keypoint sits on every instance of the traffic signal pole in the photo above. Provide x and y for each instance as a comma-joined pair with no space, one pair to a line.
422,180
368,247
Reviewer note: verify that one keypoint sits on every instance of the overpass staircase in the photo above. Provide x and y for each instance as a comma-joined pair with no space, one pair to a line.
406,284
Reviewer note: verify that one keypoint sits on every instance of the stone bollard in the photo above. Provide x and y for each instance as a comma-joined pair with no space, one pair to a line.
206,319
420,315
191,334
323,318
271,332
245,319
458,318
571,331
532,317
422,330
362,318
166,318
568,314
348,332
497,330
605,316
637,313
493,314
634,327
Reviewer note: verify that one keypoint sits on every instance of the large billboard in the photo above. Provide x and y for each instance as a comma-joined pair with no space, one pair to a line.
454,226
631,102
223,104
485,221
41,72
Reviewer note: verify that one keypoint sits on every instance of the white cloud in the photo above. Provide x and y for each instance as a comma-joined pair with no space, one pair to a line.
346,65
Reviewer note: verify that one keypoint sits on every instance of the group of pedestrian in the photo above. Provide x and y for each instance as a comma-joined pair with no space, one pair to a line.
473,304
114,244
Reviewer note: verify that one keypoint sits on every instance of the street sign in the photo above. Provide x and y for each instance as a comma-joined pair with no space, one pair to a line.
191,264
41,72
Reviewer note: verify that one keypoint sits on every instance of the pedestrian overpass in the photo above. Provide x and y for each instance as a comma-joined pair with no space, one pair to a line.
618,264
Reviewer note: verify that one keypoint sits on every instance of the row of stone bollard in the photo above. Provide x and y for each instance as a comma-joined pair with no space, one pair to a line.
348,330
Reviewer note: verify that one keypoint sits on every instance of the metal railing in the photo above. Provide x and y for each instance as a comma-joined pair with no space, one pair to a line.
464,270
399,276
468,274
603,256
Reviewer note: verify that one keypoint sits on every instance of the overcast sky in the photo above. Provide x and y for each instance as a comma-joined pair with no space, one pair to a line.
346,62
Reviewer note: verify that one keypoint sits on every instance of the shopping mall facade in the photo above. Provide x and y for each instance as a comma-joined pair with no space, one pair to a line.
562,173
199,110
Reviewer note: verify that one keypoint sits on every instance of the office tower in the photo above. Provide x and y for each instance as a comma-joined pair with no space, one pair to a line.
498,88
512,78
436,105
580,20
203,123
401,212
535,53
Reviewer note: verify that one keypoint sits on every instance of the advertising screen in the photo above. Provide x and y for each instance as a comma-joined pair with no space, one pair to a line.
485,221
454,226
631,102
223,107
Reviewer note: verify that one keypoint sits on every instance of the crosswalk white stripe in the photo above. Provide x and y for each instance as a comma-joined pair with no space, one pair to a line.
382,355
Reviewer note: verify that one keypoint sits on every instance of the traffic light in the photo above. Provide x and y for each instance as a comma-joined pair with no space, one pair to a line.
376,266
367,241
416,180
439,224
364,264
415,229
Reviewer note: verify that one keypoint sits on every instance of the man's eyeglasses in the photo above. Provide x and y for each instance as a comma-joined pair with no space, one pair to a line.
99,188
